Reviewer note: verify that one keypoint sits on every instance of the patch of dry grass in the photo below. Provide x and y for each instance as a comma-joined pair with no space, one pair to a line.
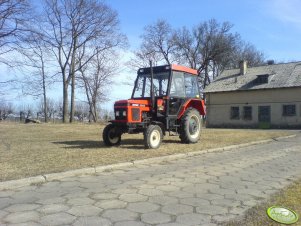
289,197
34,149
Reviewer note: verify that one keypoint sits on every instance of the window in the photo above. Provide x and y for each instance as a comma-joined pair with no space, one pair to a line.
247,113
234,113
177,88
264,114
289,110
191,86
261,79
143,85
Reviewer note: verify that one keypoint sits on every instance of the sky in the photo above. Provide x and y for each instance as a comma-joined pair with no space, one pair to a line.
273,26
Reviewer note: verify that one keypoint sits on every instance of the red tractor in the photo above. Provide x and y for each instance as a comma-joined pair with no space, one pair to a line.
164,99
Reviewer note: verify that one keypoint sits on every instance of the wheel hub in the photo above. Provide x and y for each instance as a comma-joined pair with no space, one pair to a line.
112,136
194,126
155,138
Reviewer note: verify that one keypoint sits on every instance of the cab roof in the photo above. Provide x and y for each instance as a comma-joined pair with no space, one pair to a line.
175,67
165,68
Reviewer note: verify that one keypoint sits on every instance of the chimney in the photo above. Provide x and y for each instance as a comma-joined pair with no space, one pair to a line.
243,67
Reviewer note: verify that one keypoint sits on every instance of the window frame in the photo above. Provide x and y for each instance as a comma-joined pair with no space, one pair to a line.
191,86
262,79
286,111
232,115
177,90
246,116
143,82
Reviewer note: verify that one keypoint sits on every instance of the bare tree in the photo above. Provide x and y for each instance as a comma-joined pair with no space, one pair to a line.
58,109
12,15
82,111
206,47
48,111
156,45
5,86
72,24
96,78
6,109
251,54
26,111
186,47
35,65
209,47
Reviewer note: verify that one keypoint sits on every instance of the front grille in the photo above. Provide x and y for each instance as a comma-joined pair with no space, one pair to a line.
135,114
120,114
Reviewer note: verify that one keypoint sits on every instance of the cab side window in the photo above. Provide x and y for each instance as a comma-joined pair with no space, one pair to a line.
191,86
177,89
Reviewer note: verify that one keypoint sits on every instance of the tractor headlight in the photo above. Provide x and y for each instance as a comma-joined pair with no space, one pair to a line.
124,113
117,113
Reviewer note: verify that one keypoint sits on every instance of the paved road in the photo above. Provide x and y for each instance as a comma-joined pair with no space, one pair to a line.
200,190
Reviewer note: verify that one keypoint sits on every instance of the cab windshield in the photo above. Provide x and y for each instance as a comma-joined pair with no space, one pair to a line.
142,87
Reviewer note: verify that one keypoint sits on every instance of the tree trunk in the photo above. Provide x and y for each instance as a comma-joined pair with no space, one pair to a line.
206,76
72,99
65,102
91,100
213,71
94,111
45,103
44,94
72,71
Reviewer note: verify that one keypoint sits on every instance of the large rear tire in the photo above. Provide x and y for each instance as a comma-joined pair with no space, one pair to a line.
190,129
111,135
153,137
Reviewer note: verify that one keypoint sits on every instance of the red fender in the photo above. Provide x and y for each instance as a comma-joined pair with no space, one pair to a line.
194,103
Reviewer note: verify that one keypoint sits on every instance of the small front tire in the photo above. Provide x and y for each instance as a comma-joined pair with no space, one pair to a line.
153,137
111,135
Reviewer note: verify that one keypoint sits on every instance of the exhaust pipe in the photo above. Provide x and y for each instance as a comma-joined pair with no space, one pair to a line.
152,87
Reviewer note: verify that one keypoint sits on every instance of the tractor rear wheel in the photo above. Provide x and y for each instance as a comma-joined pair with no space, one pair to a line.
153,137
190,129
111,135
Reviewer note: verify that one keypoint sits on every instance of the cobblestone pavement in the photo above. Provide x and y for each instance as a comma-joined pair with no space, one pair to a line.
200,190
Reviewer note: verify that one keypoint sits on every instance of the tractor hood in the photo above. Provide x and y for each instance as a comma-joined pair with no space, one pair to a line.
133,102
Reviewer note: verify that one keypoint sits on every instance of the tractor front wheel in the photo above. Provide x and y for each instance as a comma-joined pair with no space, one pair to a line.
153,137
111,135
190,129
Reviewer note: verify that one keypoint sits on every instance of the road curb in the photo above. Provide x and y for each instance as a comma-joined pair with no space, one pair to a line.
70,173
98,169
21,182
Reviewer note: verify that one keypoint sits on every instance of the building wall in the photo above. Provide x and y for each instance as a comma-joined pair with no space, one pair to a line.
219,107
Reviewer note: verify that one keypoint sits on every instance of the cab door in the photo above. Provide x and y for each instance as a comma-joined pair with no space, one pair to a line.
176,94
183,86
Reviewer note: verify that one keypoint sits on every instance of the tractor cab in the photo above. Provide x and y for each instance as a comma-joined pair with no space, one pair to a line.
162,97
172,86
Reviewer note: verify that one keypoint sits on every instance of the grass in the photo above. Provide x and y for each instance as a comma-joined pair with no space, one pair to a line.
289,197
35,149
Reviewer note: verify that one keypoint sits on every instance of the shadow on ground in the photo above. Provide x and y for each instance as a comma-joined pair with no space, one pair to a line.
89,144
81,144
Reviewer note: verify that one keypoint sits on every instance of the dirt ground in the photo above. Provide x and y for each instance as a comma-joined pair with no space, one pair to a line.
34,149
